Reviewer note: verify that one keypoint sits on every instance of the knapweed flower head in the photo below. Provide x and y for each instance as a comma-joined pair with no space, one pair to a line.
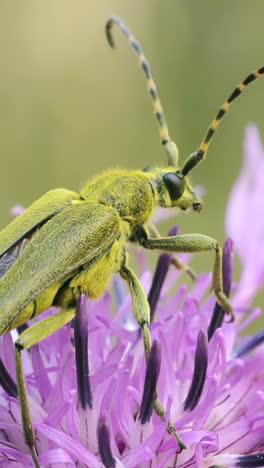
210,380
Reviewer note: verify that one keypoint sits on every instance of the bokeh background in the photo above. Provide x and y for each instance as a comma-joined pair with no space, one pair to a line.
70,106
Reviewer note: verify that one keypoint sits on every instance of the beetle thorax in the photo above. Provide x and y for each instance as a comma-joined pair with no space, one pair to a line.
129,192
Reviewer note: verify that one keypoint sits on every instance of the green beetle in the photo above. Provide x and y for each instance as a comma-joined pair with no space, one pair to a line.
69,243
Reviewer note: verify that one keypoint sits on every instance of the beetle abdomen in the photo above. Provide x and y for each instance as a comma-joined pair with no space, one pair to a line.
36,307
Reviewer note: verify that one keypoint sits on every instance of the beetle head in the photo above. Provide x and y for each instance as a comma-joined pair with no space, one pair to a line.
172,188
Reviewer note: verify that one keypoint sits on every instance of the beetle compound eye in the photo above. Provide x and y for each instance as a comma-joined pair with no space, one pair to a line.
175,184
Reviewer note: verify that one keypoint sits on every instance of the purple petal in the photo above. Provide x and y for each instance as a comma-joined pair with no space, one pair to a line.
40,371
104,444
10,453
251,344
146,450
7,382
74,448
81,352
250,461
199,373
234,460
244,208
159,276
17,210
150,384
55,456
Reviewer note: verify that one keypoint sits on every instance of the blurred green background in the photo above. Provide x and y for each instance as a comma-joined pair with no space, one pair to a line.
70,106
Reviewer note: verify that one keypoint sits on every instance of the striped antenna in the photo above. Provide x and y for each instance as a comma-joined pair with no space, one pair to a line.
170,146
200,154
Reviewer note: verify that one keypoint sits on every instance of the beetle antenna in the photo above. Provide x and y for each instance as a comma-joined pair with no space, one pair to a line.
170,146
200,154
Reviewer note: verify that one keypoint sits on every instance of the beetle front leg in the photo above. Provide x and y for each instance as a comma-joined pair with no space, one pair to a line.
175,261
142,314
27,339
194,243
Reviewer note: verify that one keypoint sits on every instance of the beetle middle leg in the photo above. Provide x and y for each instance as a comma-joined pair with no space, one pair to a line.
28,338
142,314
193,243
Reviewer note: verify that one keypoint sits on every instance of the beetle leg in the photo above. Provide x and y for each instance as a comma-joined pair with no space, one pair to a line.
183,267
28,338
142,314
155,234
195,243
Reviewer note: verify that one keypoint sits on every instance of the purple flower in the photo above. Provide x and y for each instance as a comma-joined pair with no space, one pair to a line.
212,389
244,218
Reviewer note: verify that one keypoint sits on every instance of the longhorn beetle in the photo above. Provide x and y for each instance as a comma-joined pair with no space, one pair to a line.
67,243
